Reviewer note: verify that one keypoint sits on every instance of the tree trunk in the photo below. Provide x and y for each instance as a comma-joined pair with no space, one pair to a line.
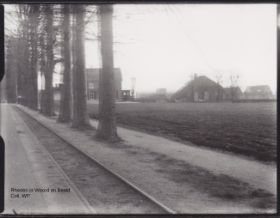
23,54
48,105
33,98
24,68
65,104
107,122
10,74
42,57
42,65
21,71
80,117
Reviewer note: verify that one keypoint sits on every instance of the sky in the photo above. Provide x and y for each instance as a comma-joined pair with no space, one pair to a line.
163,46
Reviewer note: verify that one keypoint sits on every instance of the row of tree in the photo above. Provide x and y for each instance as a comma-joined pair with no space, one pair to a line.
50,34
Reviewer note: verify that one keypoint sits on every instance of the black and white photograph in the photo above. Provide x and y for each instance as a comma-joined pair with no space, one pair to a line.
140,108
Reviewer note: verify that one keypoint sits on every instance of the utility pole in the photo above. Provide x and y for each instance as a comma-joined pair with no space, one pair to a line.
133,82
233,85
193,77
219,82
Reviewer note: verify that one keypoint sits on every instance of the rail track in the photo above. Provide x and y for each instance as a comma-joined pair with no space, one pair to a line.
105,190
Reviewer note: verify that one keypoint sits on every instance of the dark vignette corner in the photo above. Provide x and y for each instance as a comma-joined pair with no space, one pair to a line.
2,146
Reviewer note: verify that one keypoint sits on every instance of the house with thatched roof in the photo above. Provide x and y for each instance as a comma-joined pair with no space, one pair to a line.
203,89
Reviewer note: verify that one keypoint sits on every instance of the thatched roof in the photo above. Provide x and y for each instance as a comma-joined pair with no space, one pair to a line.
197,83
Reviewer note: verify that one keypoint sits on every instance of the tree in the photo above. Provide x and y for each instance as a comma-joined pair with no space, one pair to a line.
10,74
80,117
26,55
33,88
42,56
48,108
65,103
107,122
23,54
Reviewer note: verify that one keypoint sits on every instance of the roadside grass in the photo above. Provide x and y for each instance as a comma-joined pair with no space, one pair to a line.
219,186
216,185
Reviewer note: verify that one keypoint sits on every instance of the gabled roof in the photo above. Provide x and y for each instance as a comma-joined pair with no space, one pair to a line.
93,73
203,80
258,89
197,82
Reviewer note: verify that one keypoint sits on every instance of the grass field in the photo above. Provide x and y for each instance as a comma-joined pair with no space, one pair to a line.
243,128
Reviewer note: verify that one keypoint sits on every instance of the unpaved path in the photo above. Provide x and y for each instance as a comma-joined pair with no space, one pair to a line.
253,172
28,165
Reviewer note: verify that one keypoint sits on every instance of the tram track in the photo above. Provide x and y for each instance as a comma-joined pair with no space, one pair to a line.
105,190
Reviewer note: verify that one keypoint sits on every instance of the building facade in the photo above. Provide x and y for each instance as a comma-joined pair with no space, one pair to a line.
92,83
232,94
258,92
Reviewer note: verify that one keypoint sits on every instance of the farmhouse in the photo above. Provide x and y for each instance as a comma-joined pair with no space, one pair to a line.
92,83
258,92
200,89
232,93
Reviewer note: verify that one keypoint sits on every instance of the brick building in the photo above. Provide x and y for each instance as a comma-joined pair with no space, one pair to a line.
92,83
